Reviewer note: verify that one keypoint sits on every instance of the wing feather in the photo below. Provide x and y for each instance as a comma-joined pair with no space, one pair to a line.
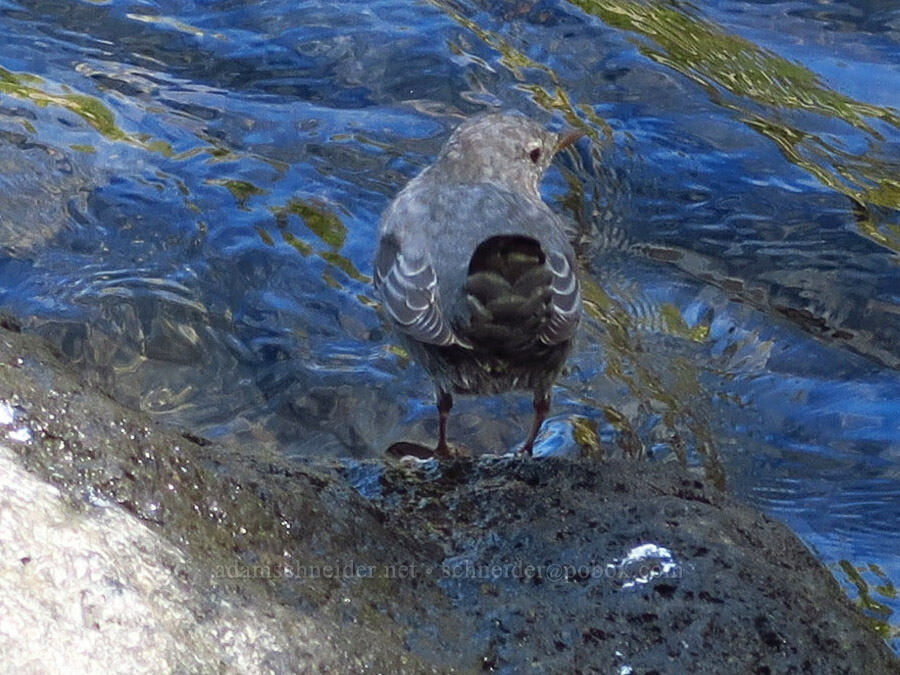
408,287
565,301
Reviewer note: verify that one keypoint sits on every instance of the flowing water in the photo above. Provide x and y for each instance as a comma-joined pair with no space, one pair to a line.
189,193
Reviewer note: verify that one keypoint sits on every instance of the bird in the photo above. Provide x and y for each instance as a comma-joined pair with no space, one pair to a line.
475,271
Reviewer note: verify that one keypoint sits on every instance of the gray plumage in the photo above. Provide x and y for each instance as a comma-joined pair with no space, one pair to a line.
474,269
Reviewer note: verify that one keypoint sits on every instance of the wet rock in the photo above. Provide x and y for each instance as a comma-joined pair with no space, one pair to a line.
132,547
567,566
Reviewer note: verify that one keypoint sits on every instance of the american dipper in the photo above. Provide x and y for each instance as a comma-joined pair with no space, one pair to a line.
475,271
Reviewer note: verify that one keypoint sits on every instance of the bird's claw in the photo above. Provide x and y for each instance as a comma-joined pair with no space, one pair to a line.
409,449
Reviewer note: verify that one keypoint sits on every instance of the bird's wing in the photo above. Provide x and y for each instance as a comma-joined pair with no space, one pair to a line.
565,301
408,287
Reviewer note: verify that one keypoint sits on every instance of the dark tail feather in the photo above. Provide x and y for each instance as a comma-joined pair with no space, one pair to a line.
508,292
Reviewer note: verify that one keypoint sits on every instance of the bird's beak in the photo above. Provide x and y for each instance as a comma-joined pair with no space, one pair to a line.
566,139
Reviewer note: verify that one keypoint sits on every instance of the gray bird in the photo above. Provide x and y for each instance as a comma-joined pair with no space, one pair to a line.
474,269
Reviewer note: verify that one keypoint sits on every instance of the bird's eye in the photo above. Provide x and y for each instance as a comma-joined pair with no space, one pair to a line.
535,155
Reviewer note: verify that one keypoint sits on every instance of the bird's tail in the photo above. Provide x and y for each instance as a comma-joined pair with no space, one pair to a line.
508,291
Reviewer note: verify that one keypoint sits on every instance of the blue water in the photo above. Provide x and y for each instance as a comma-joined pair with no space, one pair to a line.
189,192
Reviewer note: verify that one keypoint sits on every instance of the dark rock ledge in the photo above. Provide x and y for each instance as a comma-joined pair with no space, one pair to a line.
128,547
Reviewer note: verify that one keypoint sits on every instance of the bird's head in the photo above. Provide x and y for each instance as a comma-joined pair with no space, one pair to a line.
504,149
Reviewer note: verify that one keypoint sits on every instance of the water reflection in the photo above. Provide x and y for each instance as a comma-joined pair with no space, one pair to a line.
190,195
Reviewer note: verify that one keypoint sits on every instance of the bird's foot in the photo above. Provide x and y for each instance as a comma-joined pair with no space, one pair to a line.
526,450
443,450
408,449
419,451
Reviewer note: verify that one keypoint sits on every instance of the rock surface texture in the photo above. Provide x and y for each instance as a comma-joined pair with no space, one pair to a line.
128,547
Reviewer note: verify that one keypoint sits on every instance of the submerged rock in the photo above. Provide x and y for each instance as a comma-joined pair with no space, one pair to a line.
40,186
128,546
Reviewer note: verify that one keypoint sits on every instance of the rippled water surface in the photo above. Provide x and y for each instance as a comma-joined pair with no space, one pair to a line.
189,193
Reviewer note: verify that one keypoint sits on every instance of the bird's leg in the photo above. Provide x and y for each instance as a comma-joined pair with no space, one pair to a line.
444,404
541,408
